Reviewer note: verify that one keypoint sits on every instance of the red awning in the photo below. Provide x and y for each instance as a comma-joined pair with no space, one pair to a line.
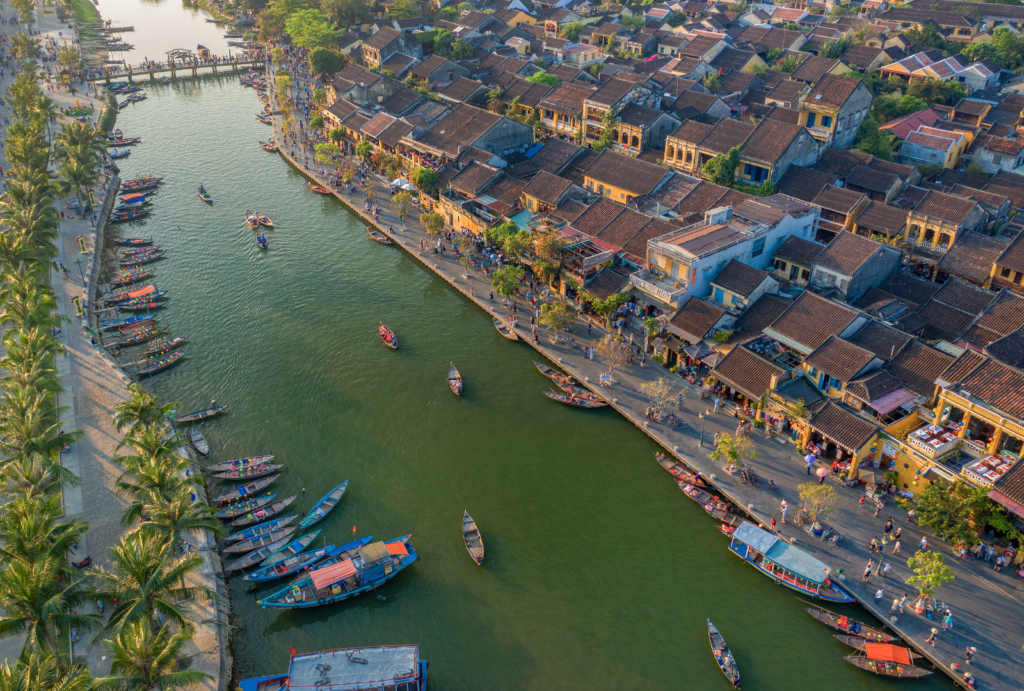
332,574
1001,498
143,291
884,652
397,548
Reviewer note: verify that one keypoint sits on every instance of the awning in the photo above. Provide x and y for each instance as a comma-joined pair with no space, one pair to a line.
798,561
398,548
142,291
1000,498
333,574
750,534
885,652
713,359
892,401
698,351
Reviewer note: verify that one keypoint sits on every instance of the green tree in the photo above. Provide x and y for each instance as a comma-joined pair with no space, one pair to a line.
25,47
425,179
652,327
270,27
711,82
494,99
346,13
325,60
722,169
404,9
170,521
571,32
146,660
818,498
517,244
68,56
957,512
325,152
363,149
433,222
401,202
930,573
558,316
788,65
730,449
606,308
936,91
911,104
544,78
336,135
873,140
141,410
506,279
925,38
25,10
310,29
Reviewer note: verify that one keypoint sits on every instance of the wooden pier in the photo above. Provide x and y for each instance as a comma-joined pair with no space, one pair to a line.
211,68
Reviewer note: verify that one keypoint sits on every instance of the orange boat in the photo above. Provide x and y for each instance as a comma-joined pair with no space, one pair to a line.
318,189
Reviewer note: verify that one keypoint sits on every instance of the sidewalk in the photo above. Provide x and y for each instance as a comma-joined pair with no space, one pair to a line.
987,606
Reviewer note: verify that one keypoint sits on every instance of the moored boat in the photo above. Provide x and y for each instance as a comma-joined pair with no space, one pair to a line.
128,215
136,242
254,543
783,562
140,306
473,539
677,470
200,443
399,666
287,567
340,554
505,330
262,513
244,491
125,321
291,549
258,556
726,662
324,506
248,472
164,345
318,188
162,364
861,644
454,379
378,236
887,661
851,627
269,146
575,400
238,463
250,506
140,335
262,529
204,414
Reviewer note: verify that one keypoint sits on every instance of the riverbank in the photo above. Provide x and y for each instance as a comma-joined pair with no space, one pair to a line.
986,604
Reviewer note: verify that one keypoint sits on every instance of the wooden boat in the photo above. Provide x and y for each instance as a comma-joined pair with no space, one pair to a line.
132,328
850,627
140,336
254,543
238,463
318,189
123,142
140,306
291,549
505,330
369,567
140,250
264,220
788,565
205,414
565,382
378,236
133,296
723,515
139,186
132,277
324,506
244,491
861,645
261,240
250,472
677,471
726,662
697,494
257,556
204,195
200,443
339,554
287,567
251,220
163,346
135,196
252,505
454,380
125,321
471,536
135,242
260,117
269,146
387,337
160,365
262,513
141,259
573,400
127,215
887,661
123,153
262,529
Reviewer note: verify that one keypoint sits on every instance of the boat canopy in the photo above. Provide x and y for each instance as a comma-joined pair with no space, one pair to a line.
355,668
750,534
884,652
373,552
397,548
798,561
142,291
332,574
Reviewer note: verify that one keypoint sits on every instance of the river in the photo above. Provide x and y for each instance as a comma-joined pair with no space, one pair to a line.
601,573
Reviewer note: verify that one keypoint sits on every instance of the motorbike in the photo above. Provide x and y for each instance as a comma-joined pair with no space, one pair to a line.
82,564
99,606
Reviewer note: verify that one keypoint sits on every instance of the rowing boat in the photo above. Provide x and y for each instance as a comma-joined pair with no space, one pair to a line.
255,557
238,463
127,215
338,555
132,277
251,220
251,506
318,189
264,220
269,146
850,627
137,242
260,117
505,330
861,645
573,400
291,549
261,529
125,321
236,493
887,661
140,250
261,240
387,336
262,513
726,662
162,364
677,471
164,345
324,506
139,260
255,543
199,441
140,335
471,536
204,195
292,564
378,236
561,380
724,515
454,380
204,414
250,472
140,306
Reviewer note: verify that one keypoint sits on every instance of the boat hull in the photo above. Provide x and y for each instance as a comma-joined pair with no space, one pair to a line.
840,596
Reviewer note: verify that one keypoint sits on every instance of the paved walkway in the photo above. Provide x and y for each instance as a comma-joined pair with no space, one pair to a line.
987,606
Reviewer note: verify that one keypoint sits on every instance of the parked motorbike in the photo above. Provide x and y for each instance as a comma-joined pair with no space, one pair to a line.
82,564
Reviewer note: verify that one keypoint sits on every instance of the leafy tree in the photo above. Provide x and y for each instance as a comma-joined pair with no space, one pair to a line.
448,14
147,660
325,152
711,82
543,78
557,316
33,671
606,308
615,350
773,55
326,60
69,56
925,38
363,149
595,69
310,29
956,513
425,179
652,327
270,27
833,50
517,244
818,498
346,13
25,47
722,169
886,107
404,9
433,221
571,32
170,521
402,201
141,410
461,50
732,449
840,11
873,140
936,91
25,9
930,573
494,99
506,279
465,7
336,135
609,121
659,393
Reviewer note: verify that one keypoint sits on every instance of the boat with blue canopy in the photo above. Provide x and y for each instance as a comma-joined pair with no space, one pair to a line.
258,530
390,667
789,566
371,566
323,557
324,506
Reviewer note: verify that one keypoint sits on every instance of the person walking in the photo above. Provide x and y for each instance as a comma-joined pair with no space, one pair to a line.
895,607
896,548
886,569
971,650
773,526
867,570
947,621
923,546
931,639
888,525
718,403
809,460
903,601
784,510
879,594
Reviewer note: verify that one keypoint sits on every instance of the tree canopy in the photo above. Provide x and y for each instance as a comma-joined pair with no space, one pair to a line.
310,29
326,60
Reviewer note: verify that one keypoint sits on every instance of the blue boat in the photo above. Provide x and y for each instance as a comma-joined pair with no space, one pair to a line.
371,566
125,321
339,555
288,566
324,506
789,566
391,667
258,530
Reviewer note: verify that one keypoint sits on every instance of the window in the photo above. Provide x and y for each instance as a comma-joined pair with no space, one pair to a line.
835,383
794,272
1016,279
826,121
737,300
810,119
780,265
831,279
805,274
997,159
689,157
1005,273
758,248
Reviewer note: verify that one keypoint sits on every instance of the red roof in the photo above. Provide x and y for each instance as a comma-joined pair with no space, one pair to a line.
902,126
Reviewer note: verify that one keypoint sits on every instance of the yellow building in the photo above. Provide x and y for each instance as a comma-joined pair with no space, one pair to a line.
935,222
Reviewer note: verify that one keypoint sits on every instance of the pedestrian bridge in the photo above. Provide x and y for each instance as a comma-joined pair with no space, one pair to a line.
190,69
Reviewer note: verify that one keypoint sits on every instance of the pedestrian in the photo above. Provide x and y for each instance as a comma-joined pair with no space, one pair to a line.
588,328
888,525
785,510
923,547
947,621
897,534
867,570
862,501
773,526
886,569
878,506
718,403
971,650
895,606
809,460
903,601
931,639
1000,562
896,548
879,594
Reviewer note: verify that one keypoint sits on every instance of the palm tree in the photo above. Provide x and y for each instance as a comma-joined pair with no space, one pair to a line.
146,660
140,410
36,476
145,580
180,515
76,176
30,424
32,531
35,672
156,480
37,604
46,109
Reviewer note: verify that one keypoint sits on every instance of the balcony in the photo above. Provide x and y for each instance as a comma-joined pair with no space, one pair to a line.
933,441
665,291
822,133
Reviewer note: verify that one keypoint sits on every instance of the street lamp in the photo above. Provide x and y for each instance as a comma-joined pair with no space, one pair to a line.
79,262
703,417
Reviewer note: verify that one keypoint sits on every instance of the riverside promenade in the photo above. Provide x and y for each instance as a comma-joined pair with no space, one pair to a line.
987,606
93,385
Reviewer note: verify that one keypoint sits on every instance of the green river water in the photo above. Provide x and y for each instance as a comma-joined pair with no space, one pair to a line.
602,573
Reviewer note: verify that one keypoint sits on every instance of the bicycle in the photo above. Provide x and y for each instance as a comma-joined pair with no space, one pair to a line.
836,537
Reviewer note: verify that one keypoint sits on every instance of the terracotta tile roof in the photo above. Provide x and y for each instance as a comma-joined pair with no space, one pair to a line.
655,228
917,366
567,98
578,168
733,198
735,82
873,386
1004,316
611,92
811,319
969,361
430,64
626,225
786,91
569,210
884,341
691,131
841,162
727,134
1000,145
883,219
379,123
382,38
393,134
847,253
912,288
861,56
803,183
770,140
972,256
945,207
930,141
847,430
1013,256
813,69
507,189
747,372
799,251
700,102
547,187
762,313
695,320
833,91
461,89
872,179
699,46
701,198
882,304
839,358
606,282
627,173
733,59
470,179
953,309
999,386
951,178
740,278
838,199
990,199
1008,349
598,216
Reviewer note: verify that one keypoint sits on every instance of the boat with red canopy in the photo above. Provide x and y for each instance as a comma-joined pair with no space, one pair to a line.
887,660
